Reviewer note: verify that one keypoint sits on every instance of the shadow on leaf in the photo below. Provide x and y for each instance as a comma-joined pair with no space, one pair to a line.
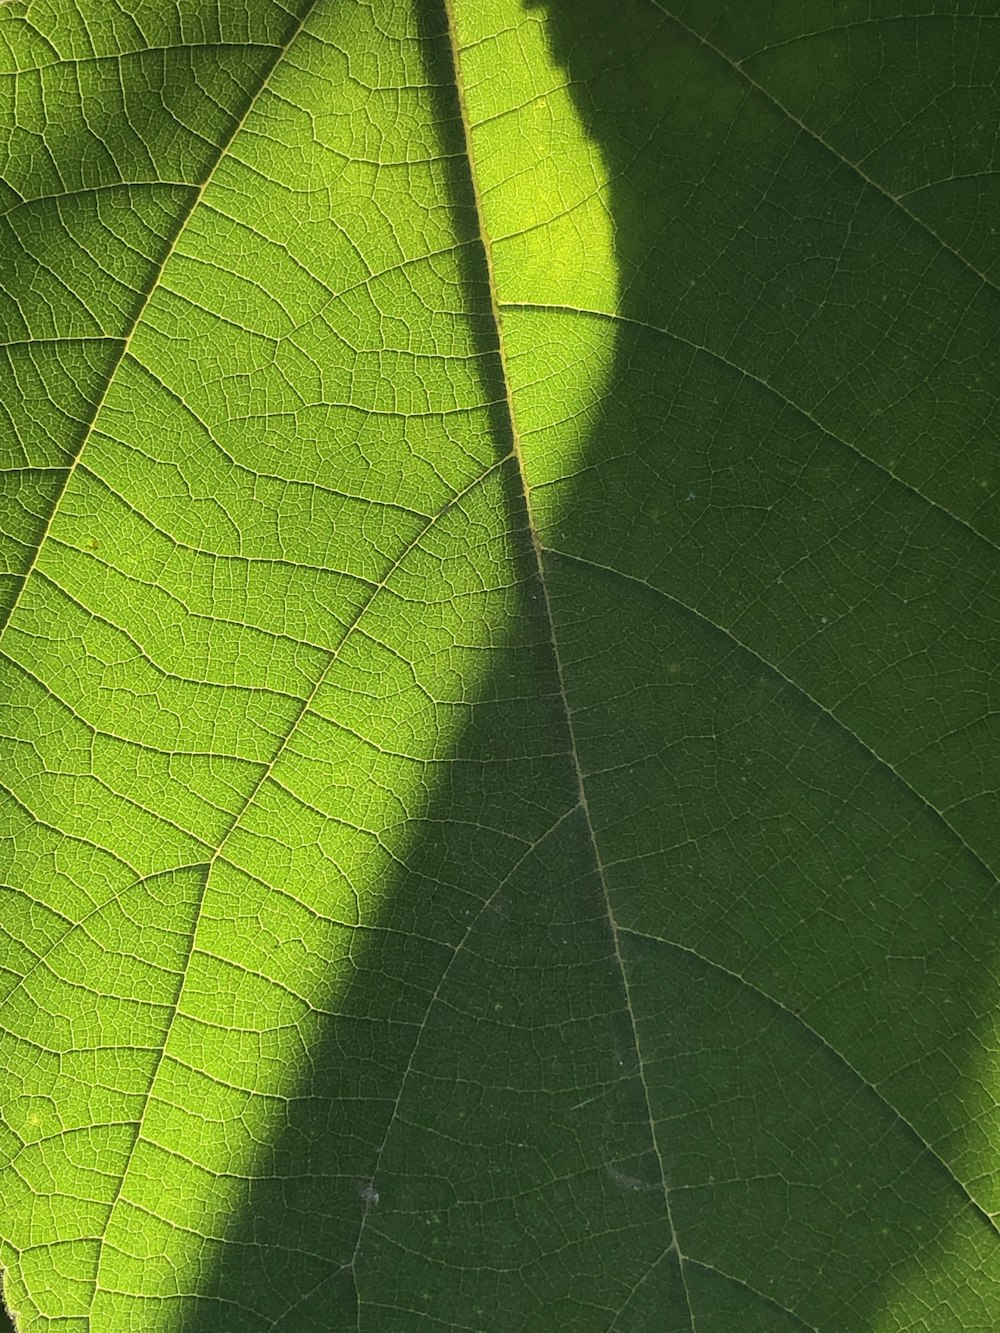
801,935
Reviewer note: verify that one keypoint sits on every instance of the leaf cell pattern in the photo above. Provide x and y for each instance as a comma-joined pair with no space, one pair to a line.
499,641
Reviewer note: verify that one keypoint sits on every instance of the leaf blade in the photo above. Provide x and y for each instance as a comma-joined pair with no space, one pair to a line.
340,646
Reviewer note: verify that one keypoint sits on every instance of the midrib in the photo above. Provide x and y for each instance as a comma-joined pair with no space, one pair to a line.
539,552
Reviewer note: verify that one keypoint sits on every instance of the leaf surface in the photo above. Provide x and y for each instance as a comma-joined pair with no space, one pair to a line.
499,659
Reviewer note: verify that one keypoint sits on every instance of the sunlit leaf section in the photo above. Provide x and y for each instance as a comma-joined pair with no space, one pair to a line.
255,623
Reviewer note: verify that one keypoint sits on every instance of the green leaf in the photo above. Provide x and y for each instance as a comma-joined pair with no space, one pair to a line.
500,799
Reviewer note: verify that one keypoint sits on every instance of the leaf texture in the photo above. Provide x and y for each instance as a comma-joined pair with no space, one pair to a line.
499,654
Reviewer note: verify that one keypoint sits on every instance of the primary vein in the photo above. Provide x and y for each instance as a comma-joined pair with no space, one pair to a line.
537,549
